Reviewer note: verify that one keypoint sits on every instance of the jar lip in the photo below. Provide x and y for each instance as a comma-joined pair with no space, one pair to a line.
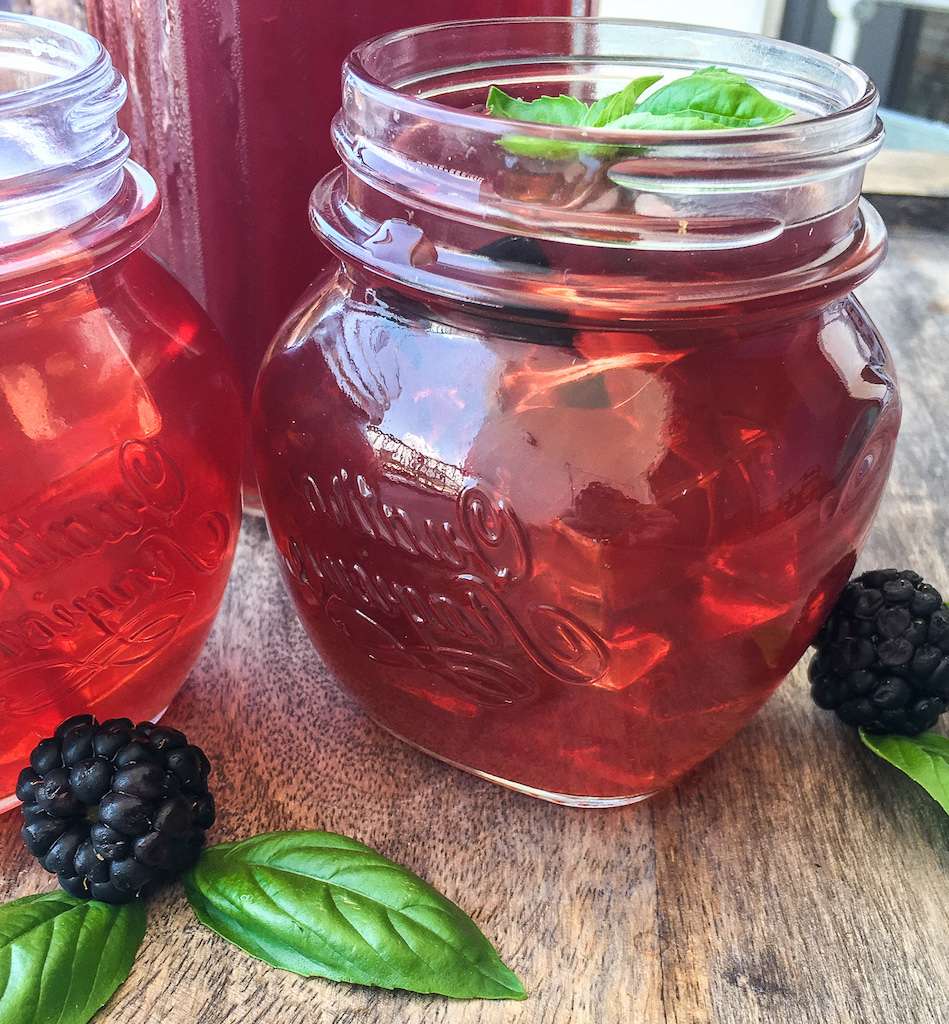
91,60
359,64
63,157
42,265
430,183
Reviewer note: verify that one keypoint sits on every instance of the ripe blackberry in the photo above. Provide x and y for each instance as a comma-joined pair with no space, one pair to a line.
515,252
515,249
882,657
115,809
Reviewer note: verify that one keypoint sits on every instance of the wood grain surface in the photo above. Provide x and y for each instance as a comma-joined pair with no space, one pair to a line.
792,879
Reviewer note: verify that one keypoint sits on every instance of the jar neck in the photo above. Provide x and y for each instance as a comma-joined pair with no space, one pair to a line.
70,199
628,226
536,280
60,258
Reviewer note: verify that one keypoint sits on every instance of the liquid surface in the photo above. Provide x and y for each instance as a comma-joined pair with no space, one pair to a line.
575,560
118,500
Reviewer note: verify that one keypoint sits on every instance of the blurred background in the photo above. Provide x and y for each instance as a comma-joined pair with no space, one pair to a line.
902,44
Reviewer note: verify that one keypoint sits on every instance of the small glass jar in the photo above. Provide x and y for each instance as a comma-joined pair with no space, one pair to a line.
119,472
569,455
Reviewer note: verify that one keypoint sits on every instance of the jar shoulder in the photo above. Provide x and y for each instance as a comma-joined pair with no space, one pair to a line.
376,344
720,428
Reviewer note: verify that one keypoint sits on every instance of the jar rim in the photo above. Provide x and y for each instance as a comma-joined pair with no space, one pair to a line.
430,183
91,61
859,110
70,198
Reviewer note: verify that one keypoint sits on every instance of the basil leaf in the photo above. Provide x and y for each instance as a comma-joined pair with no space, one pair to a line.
546,110
608,109
642,121
62,958
716,94
562,110
548,149
925,759
317,903
715,70
708,99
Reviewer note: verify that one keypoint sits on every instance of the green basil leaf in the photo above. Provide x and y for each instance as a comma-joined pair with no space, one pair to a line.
317,903
548,149
612,107
642,121
716,94
925,759
545,110
62,958
562,110
715,70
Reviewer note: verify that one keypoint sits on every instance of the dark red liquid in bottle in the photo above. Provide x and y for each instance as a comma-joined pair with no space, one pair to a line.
119,475
230,110
579,567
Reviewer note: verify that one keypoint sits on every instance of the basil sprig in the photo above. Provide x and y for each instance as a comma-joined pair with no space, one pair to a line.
710,99
317,903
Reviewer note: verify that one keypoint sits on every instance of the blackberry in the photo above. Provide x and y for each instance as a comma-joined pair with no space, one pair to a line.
115,809
518,252
515,249
882,658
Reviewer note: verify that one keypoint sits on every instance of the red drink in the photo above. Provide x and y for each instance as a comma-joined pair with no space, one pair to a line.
231,106
587,566
564,509
119,505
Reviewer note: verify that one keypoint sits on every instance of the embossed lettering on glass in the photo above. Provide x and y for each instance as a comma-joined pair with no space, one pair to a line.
567,457
119,474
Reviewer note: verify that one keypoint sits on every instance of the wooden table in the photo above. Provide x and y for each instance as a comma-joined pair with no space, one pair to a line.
793,878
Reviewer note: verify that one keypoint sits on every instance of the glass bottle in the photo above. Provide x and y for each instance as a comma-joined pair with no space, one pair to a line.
231,102
568,455
119,476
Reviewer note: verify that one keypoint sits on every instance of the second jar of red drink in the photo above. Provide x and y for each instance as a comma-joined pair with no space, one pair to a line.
569,453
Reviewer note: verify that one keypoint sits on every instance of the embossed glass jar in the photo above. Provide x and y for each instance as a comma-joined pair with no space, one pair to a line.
568,456
119,469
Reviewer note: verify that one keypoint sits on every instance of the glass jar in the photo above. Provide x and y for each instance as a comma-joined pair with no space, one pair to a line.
569,454
119,475
258,81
